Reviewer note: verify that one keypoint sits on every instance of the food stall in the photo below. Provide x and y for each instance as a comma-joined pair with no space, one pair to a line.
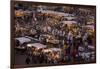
21,46
54,52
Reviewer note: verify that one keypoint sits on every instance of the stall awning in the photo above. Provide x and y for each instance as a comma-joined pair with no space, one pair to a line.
37,45
69,22
55,49
23,39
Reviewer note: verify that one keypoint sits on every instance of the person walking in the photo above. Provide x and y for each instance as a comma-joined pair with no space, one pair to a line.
27,60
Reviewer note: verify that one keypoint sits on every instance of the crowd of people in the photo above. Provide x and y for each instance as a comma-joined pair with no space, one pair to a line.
70,37
38,56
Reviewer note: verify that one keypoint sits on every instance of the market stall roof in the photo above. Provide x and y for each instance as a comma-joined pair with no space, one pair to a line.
37,45
55,49
31,38
69,22
91,47
47,50
90,26
56,13
23,39
69,17
52,49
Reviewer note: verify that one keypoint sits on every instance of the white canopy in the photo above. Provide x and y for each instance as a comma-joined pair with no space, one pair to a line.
89,26
91,47
56,13
55,49
69,17
31,38
23,39
47,50
37,45
69,22
52,49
